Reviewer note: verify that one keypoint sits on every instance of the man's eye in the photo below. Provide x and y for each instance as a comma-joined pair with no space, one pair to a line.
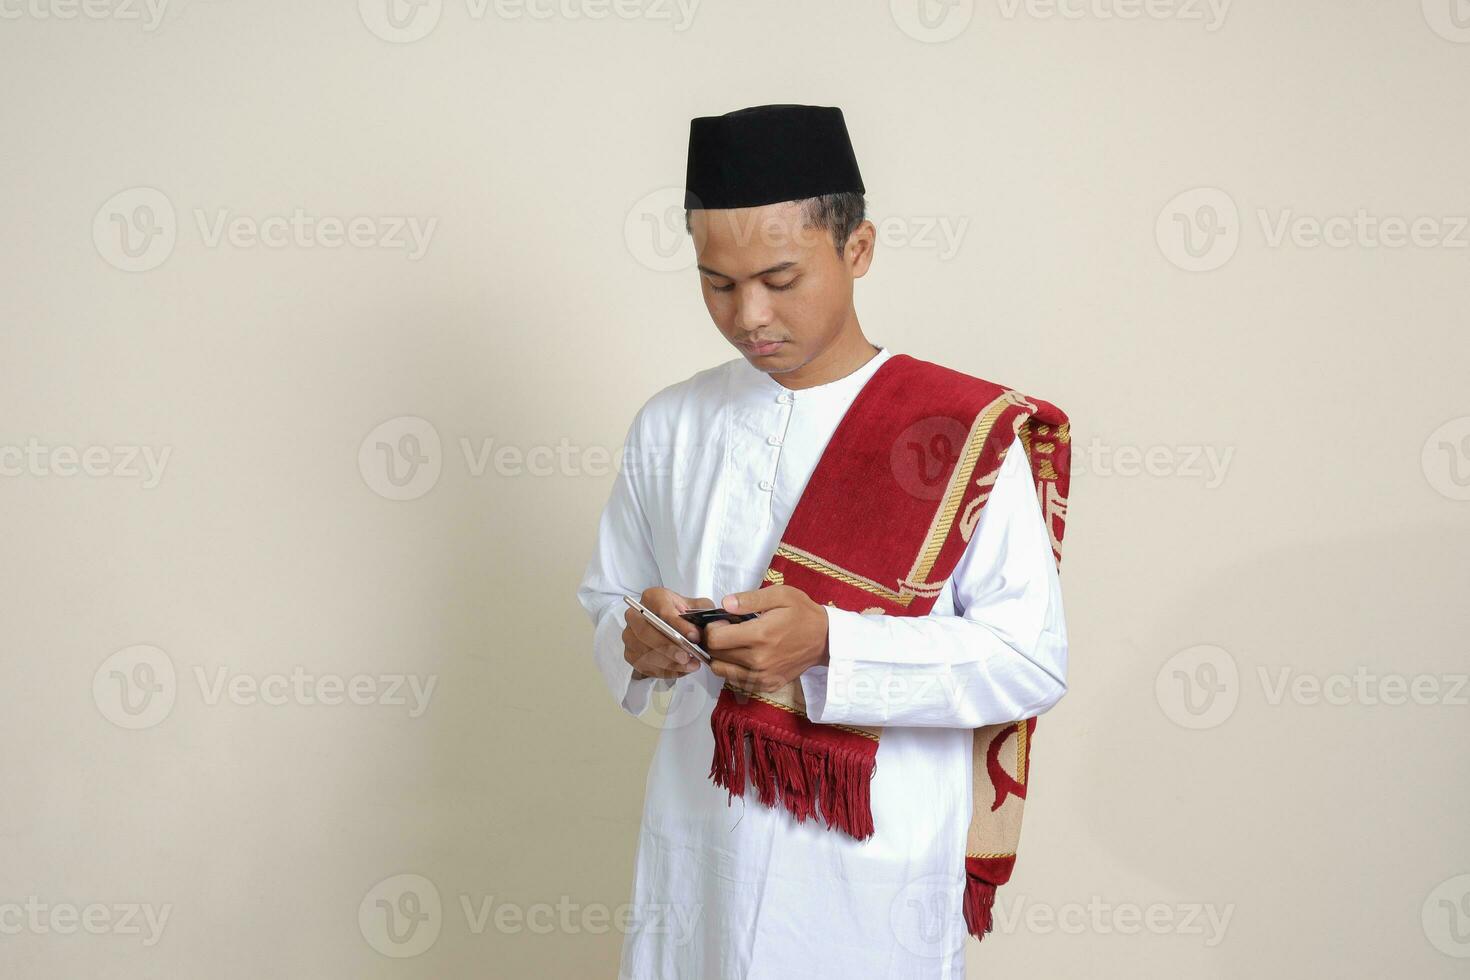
722,289
784,286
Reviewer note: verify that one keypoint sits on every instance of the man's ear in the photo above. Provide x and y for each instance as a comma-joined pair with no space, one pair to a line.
857,255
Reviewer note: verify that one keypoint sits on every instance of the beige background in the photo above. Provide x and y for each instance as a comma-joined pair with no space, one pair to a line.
1327,546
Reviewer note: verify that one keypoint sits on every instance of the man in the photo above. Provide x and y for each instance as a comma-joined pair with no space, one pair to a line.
859,724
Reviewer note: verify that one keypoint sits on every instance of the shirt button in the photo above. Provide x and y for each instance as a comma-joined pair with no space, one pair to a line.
784,398
766,484
773,440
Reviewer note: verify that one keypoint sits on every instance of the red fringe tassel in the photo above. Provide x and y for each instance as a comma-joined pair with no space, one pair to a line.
796,771
979,904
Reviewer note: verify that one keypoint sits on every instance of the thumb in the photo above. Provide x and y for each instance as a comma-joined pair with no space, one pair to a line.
758,600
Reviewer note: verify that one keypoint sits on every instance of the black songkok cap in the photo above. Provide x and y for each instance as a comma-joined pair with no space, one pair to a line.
767,154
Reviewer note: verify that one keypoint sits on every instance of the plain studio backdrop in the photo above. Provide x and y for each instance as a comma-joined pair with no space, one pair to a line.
323,324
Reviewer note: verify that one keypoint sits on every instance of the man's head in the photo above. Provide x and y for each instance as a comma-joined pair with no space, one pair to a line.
775,205
781,274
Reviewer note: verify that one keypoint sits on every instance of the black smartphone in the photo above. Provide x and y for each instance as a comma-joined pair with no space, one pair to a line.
703,617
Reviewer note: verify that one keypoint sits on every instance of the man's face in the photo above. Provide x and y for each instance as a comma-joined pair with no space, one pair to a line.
776,288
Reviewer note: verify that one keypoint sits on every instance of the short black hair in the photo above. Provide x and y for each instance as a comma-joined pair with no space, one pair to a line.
839,214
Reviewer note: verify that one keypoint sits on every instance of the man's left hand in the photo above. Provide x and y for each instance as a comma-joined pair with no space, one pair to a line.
767,653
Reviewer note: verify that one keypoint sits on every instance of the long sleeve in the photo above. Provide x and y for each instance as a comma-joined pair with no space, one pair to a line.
622,564
1002,656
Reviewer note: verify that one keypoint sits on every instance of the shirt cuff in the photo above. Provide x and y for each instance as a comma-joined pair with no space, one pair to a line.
639,693
828,688
617,673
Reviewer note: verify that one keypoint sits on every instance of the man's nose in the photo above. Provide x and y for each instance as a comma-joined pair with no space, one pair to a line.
752,311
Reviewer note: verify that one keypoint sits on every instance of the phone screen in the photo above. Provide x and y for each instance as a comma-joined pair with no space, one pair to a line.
703,617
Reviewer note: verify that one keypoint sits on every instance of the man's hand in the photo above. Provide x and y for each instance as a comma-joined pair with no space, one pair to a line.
650,652
768,652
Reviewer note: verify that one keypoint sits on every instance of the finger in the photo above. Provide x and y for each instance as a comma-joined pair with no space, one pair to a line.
645,664
733,641
669,613
662,660
759,600
742,678
651,638
646,637
654,663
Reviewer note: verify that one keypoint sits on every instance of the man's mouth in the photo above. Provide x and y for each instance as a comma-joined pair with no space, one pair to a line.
762,349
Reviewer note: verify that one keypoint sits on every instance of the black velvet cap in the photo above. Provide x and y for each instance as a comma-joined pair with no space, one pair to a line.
767,154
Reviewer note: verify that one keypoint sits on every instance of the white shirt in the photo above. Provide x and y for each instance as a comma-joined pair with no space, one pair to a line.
712,470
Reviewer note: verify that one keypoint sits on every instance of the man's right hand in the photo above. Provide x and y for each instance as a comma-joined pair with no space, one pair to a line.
650,653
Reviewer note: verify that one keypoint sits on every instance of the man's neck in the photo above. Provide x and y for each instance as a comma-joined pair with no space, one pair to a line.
851,351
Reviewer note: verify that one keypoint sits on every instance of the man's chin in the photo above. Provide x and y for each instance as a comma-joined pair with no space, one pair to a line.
778,361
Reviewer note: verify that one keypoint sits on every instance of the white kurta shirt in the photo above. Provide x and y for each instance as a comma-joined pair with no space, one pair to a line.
712,470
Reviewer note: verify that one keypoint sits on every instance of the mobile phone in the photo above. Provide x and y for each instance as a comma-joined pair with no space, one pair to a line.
690,647
703,617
